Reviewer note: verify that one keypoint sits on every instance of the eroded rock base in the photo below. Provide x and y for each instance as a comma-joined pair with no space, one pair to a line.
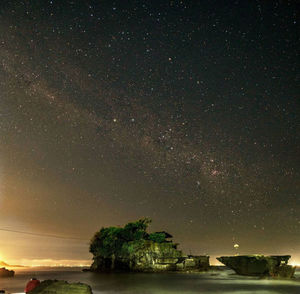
151,256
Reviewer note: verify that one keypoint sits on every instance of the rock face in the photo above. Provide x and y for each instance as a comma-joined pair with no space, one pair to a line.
193,263
151,256
61,287
4,273
260,265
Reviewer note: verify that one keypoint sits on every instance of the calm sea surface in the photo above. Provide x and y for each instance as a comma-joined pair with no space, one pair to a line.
224,281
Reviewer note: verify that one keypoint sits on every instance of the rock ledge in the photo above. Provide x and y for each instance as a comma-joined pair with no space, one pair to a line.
260,265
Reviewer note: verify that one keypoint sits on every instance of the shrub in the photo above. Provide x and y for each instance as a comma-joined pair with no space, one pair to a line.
158,237
114,240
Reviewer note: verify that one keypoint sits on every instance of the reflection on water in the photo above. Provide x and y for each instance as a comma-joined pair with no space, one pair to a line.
224,281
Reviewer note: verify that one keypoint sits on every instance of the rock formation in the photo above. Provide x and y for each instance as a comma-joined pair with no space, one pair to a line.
260,265
61,287
132,249
4,273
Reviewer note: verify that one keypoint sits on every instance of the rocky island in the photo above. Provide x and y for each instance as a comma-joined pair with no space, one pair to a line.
5,273
260,265
131,248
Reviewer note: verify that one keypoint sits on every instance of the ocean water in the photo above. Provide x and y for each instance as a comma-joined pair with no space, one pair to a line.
223,281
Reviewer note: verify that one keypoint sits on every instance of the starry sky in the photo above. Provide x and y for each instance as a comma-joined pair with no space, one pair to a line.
182,111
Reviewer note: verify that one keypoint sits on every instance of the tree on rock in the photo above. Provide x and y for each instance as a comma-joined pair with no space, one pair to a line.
112,240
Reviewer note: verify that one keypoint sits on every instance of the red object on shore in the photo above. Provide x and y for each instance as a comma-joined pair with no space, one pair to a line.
31,285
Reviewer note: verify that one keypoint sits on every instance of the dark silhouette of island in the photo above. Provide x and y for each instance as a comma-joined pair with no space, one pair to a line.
131,248
5,273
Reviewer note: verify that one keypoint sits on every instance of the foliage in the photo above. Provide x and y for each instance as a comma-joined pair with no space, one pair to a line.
106,242
115,240
158,237
136,230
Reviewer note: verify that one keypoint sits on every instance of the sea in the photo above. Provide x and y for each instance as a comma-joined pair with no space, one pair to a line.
218,281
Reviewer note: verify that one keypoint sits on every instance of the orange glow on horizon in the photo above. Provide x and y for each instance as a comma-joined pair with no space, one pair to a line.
54,262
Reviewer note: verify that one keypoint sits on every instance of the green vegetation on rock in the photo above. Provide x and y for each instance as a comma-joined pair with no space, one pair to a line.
61,287
158,237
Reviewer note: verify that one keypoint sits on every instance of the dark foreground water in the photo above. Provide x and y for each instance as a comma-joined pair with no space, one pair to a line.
224,281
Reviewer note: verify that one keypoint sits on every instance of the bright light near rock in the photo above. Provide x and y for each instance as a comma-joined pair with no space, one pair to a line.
295,264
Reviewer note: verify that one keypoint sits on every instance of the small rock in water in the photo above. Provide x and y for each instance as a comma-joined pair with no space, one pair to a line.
61,287
4,273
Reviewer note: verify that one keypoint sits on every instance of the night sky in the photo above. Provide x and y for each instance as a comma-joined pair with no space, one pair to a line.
186,112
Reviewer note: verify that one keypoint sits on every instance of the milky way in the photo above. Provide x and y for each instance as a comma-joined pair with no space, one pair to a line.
186,113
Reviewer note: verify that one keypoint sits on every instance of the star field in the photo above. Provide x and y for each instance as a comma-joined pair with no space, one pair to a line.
186,112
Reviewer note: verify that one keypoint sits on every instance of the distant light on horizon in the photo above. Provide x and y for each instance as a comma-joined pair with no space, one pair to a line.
54,263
